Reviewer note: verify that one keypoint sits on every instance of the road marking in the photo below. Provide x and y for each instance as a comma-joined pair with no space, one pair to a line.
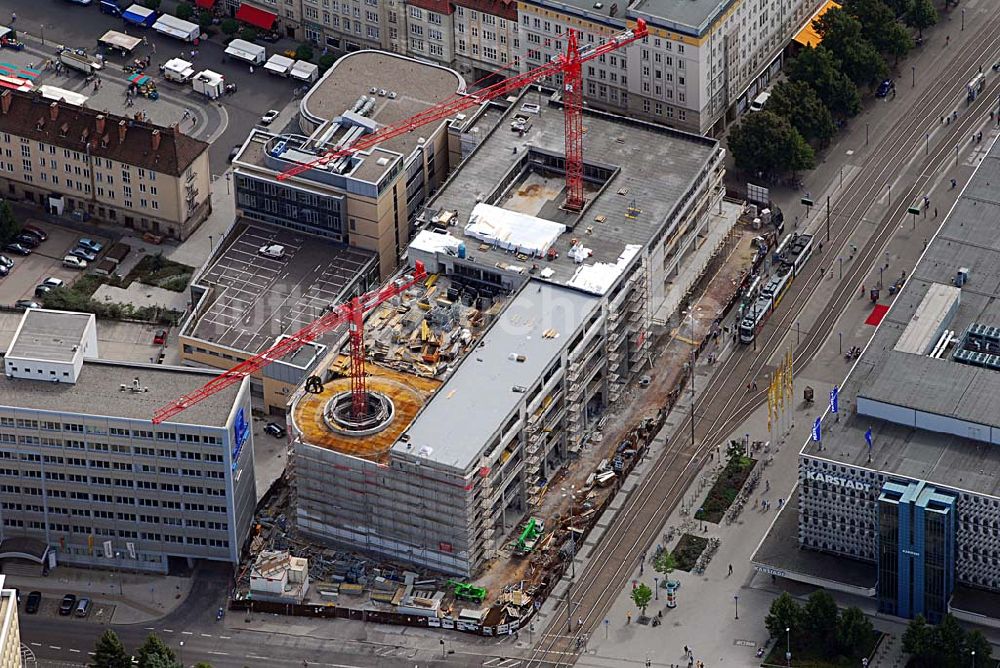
219,653
54,647
74,650
186,633
226,637
92,653
206,635
150,628
36,644
168,630
254,656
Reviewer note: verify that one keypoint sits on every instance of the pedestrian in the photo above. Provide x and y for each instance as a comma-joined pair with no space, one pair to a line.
13,17
251,69
954,115
685,650
781,502
145,41
748,387
767,483
755,384
935,212
730,569
153,46
894,92
947,40
628,617
953,184
979,136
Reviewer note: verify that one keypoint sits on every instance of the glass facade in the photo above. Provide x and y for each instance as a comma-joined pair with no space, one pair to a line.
916,551
293,208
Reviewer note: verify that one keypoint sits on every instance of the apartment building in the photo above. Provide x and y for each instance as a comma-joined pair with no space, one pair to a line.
84,473
486,37
70,159
10,630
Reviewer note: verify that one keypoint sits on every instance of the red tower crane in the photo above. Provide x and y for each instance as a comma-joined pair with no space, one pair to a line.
568,64
351,313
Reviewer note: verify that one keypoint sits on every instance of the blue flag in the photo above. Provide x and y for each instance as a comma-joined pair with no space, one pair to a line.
834,394
817,430
868,437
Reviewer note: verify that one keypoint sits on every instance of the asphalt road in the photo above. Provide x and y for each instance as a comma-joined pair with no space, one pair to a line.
898,156
62,22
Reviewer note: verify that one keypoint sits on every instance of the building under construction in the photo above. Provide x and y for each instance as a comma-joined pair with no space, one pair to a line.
496,369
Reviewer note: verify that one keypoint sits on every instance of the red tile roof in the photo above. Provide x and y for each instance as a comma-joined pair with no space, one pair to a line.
505,9
161,149
439,6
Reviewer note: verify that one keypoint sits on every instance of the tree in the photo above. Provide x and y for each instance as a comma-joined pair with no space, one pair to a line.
898,41
109,652
765,142
798,102
154,653
304,51
922,15
161,661
327,61
918,638
230,27
819,617
184,11
152,4
853,630
818,68
641,596
9,225
785,613
859,59
977,642
202,664
950,643
876,19
249,34
665,563
205,18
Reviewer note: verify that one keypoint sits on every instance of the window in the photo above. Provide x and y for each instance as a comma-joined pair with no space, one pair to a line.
415,12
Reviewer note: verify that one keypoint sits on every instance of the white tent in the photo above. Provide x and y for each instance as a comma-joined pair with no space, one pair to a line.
512,231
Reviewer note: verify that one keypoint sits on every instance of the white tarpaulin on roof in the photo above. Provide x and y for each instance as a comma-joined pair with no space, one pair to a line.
598,278
511,230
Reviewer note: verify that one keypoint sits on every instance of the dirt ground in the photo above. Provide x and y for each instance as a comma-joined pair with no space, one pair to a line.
670,354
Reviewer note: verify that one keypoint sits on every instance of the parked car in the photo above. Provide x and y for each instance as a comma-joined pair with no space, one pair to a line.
27,303
83,607
37,231
42,290
275,429
91,245
33,603
27,240
83,253
67,604
6,261
269,117
73,262
235,151
17,249
160,337
53,282
4,270
884,88
273,251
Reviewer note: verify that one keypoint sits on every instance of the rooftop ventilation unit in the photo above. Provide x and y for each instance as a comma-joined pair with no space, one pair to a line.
381,92
392,95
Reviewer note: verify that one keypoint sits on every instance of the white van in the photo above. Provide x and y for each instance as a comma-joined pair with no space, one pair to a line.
759,101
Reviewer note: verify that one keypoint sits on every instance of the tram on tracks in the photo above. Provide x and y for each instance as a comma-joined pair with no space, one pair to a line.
790,257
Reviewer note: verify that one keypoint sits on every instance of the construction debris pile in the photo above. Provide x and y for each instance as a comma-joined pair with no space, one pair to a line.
428,331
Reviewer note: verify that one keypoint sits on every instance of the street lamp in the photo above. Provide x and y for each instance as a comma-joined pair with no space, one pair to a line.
973,651
914,70
42,27
118,570
736,600
963,18
656,589
701,511
788,646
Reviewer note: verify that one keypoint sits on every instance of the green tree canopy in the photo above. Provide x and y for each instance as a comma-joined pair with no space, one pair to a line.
184,11
641,596
248,33
819,617
977,642
665,563
304,51
818,68
327,61
798,102
109,652
853,629
921,15
765,142
230,26
876,20
898,41
9,225
859,59
152,4
785,613
918,637
154,653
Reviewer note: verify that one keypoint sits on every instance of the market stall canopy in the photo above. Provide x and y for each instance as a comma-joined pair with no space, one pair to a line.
258,18
808,35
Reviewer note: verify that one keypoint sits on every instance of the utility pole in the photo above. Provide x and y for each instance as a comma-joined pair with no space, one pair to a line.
827,217
692,392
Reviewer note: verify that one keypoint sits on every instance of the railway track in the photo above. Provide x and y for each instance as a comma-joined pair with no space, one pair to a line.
637,525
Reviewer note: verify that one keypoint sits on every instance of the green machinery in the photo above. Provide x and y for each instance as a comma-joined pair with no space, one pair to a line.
526,542
467,592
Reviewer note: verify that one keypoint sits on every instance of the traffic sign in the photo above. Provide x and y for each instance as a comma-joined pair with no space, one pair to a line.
807,201
914,210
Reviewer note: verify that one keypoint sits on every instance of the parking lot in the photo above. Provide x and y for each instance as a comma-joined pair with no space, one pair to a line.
100,613
44,261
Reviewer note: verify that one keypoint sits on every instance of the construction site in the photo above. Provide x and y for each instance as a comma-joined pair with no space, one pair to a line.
491,398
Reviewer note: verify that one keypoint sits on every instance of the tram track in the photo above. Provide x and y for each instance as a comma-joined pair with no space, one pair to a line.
663,486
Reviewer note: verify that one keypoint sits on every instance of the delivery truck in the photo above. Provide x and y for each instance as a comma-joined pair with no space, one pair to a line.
138,15
246,51
80,60
209,83
177,70
171,26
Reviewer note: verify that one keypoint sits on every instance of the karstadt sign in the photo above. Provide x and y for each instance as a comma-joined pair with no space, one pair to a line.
819,476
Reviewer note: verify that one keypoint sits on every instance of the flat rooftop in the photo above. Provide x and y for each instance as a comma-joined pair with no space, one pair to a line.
49,335
951,391
696,15
97,392
417,85
650,168
525,340
253,299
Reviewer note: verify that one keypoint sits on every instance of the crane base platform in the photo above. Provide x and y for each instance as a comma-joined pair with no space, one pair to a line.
339,415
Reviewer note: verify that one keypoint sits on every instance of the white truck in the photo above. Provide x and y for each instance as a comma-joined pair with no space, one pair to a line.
246,51
171,26
279,64
177,70
209,83
79,60
305,71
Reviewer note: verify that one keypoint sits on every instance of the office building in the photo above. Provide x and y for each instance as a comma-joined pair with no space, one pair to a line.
87,477
77,161
10,631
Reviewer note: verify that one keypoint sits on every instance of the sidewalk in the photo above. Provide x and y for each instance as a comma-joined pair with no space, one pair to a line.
142,597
